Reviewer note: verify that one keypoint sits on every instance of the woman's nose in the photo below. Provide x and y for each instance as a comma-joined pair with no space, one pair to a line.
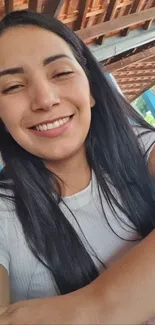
44,96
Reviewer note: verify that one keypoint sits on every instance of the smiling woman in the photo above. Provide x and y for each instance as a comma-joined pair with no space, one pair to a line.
76,192
36,81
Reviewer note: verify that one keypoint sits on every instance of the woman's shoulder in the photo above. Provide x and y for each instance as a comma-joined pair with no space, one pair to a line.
7,204
8,220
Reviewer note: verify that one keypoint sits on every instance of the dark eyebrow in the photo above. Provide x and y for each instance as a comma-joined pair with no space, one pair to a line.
54,58
11,71
45,62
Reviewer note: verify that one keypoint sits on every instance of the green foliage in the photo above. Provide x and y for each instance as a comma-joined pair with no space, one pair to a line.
140,105
149,118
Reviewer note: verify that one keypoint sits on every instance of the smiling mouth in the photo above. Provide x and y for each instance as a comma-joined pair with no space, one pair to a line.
52,125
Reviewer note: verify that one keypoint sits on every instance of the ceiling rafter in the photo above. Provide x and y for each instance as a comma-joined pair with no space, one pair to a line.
35,5
83,8
53,8
137,5
8,5
148,23
116,24
109,16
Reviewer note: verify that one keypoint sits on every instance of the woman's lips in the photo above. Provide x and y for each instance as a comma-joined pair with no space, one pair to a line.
54,131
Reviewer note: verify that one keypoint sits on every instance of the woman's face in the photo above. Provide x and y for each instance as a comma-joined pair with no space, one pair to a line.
45,100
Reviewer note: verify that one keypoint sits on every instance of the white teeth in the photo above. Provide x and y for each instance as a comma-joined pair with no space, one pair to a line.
56,124
60,122
49,126
44,127
40,128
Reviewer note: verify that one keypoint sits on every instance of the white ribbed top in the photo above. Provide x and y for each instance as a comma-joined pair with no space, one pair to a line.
28,277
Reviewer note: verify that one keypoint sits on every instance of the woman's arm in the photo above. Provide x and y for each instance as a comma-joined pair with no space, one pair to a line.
124,294
127,288
4,287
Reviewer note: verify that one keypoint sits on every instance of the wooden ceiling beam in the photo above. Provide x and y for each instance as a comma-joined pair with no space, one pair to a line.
83,8
148,23
116,24
134,58
111,9
109,15
127,3
53,7
8,6
102,15
35,5
136,6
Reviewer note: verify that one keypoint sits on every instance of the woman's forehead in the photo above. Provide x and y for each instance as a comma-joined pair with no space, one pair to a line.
30,43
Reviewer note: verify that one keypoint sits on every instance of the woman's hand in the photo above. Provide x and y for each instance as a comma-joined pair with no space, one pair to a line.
66,309
37,311
123,294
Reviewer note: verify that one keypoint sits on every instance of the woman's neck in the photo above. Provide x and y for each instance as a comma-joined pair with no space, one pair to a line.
74,173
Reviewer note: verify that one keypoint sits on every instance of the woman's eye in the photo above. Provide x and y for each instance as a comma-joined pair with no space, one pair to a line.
12,89
63,74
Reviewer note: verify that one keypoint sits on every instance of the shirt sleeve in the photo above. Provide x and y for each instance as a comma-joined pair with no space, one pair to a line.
146,139
4,250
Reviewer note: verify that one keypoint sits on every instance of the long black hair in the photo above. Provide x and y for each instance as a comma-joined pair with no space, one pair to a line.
112,150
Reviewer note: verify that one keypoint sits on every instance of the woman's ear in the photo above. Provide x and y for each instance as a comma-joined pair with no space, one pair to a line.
92,101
